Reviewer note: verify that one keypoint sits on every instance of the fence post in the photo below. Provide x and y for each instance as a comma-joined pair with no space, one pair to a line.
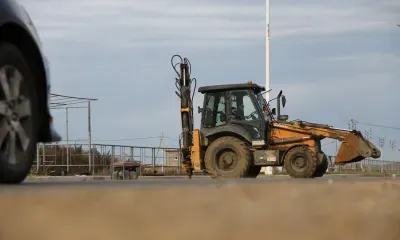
44,157
163,159
153,153
38,158
55,153
112,154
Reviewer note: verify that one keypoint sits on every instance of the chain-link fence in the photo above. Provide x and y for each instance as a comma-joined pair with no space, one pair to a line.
63,159
366,165
72,159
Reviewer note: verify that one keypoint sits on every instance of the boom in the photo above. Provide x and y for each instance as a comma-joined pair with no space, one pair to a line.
184,84
354,146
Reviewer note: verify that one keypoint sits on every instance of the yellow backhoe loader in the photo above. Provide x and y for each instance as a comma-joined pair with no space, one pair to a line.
239,133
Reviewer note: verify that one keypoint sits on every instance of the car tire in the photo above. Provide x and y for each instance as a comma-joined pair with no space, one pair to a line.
19,115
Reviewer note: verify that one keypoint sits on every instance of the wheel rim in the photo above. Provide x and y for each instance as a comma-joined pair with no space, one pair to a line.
299,163
226,160
15,115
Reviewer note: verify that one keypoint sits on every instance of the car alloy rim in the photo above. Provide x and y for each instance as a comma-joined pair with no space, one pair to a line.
15,110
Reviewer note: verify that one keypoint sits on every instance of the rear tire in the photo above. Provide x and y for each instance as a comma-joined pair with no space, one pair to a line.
227,157
322,166
19,120
300,162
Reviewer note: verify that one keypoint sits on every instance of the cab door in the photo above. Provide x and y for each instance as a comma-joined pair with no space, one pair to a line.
244,111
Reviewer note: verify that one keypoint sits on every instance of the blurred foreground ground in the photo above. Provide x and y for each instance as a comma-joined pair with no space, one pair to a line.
287,210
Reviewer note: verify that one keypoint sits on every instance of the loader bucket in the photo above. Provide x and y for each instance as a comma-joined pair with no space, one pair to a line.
355,148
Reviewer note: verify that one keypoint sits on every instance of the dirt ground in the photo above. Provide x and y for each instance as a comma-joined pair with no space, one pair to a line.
281,211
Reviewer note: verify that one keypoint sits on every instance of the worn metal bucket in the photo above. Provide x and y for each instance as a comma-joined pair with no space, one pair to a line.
355,148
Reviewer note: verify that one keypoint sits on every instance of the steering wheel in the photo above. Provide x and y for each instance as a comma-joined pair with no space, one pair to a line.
251,115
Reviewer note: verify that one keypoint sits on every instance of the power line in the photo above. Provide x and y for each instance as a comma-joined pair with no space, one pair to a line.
126,139
329,143
72,97
377,125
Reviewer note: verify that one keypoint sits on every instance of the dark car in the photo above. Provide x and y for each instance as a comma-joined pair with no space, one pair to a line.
25,118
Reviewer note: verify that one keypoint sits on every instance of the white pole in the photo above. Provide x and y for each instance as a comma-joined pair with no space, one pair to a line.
267,50
267,170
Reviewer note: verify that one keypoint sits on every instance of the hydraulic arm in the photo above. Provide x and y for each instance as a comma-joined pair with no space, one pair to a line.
184,85
354,146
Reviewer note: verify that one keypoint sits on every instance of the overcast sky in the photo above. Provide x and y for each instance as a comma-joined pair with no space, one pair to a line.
334,60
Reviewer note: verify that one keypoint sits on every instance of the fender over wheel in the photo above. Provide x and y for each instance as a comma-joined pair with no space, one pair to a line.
228,157
300,162
18,115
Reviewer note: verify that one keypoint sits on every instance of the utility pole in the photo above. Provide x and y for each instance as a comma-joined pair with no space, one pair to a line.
267,170
392,146
352,124
381,143
67,132
267,50
368,134
336,146
91,165
161,145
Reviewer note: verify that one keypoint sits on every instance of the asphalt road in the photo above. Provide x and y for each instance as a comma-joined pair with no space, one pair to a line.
149,182
332,207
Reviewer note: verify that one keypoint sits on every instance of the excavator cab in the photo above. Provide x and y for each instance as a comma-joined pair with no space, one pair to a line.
234,110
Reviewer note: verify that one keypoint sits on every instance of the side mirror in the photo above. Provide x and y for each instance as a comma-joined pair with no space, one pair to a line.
273,111
199,109
283,101
280,94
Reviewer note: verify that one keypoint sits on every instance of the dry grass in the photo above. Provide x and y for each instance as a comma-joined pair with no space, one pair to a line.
281,211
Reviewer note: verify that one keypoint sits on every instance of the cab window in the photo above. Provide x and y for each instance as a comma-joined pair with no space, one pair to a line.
214,112
243,108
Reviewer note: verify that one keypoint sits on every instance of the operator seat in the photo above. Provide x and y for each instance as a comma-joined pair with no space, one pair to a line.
222,118
240,113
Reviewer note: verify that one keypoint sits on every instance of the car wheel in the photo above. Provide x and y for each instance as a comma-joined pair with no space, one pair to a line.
18,115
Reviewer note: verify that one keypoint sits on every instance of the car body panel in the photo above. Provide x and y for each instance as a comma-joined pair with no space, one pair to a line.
12,12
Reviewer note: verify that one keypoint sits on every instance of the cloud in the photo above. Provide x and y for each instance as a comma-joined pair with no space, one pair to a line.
334,60
139,23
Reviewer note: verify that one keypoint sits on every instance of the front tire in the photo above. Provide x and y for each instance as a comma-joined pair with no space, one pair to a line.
227,157
300,162
18,115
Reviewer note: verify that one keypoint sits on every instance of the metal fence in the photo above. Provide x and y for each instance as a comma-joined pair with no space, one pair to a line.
366,165
72,159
